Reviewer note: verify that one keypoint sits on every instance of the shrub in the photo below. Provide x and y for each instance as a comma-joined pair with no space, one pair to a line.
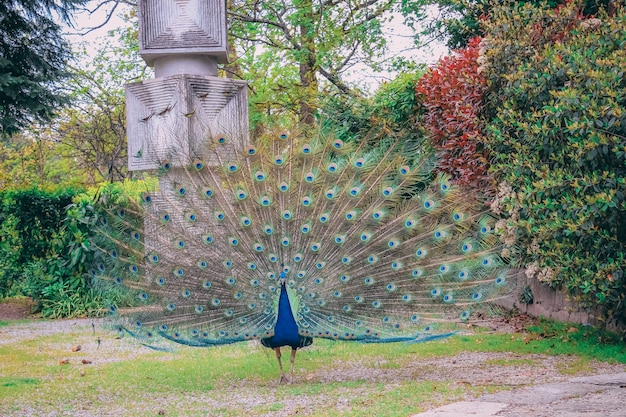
46,250
558,143
452,94
30,220
392,110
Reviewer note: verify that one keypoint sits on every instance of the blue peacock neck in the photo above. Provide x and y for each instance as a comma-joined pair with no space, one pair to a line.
286,329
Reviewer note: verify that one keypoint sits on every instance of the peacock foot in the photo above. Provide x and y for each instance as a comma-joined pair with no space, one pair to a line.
284,380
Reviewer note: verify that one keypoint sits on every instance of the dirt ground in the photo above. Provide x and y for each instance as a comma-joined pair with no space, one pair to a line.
16,309
521,371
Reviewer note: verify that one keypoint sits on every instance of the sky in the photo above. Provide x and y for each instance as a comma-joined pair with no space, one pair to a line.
398,38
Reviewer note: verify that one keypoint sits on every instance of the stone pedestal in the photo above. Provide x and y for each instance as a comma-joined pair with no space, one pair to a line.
176,118
182,27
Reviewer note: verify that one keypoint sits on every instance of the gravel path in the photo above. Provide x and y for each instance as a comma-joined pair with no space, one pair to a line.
19,332
465,370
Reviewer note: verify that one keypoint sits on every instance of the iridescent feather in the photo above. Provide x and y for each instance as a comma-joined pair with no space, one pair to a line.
367,252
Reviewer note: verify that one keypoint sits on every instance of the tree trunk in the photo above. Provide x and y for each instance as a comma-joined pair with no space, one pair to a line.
308,66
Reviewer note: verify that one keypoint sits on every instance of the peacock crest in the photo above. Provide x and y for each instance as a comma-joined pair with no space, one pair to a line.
359,243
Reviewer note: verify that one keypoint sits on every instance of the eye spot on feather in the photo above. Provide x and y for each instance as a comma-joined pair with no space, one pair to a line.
241,195
501,280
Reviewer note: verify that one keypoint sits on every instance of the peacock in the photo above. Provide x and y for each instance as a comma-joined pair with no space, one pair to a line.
297,237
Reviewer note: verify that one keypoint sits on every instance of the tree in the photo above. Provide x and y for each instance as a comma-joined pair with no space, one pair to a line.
322,39
459,20
93,131
33,56
304,48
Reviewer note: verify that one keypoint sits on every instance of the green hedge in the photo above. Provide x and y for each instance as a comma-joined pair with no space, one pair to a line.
30,220
557,122
44,253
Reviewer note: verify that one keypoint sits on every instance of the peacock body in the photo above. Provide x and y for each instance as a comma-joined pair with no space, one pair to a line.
297,238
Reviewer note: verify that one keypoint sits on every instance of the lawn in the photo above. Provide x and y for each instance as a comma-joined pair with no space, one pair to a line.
42,372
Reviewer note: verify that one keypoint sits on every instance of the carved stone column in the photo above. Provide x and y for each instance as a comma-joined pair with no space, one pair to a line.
186,104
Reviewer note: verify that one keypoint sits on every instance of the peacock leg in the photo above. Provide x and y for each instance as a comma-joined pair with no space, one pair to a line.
283,378
292,360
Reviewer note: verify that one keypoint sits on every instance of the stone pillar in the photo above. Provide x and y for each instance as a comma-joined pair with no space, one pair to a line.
172,116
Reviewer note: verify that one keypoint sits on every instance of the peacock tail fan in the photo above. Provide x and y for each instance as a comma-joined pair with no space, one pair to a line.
373,247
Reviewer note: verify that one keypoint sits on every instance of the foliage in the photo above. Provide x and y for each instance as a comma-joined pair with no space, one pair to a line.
558,146
29,219
460,20
33,59
392,110
272,100
93,131
310,44
32,159
452,95
22,162
45,251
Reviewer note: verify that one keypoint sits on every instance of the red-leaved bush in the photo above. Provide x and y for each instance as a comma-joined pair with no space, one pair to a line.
452,93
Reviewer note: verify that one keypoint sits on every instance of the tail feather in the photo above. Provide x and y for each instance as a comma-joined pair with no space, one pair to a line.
372,249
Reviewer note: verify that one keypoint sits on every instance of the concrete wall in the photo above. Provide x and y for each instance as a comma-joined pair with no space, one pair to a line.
552,303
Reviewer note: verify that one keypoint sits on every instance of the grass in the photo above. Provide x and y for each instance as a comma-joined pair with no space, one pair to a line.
331,379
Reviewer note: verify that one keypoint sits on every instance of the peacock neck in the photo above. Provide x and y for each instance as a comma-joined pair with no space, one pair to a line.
285,313
286,328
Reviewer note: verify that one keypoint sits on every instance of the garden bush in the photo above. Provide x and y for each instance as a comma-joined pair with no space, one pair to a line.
29,222
46,249
452,95
556,107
